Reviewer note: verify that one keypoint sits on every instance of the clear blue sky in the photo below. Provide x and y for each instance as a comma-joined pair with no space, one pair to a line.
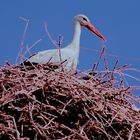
118,21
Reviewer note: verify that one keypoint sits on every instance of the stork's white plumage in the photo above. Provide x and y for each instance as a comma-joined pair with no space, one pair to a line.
70,54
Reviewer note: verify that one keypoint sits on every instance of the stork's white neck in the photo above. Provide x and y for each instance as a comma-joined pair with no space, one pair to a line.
75,43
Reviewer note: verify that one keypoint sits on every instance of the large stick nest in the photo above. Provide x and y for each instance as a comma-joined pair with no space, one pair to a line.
39,103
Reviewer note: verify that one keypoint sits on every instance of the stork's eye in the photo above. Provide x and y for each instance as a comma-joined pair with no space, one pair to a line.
84,19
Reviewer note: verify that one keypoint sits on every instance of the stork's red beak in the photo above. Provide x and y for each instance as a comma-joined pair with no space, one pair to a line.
93,29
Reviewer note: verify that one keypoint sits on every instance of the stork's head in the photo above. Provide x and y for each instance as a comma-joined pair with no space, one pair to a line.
84,21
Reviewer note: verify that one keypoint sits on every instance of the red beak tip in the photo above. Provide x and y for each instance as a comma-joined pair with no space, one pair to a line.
104,39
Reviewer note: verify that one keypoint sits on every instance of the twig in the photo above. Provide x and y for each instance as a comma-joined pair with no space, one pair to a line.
49,35
23,38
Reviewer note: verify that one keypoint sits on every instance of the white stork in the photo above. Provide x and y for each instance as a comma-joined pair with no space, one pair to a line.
69,54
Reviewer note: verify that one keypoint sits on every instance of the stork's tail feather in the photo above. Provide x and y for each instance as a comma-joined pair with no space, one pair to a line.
32,65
